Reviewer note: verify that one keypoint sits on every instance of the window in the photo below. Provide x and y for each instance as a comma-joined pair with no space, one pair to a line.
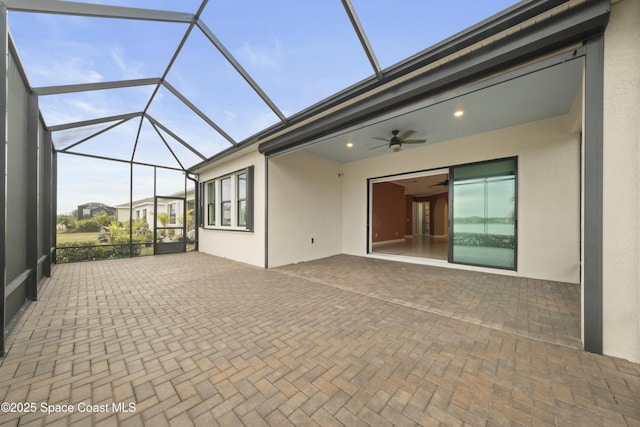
228,201
225,201
484,214
242,199
144,214
211,203
172,213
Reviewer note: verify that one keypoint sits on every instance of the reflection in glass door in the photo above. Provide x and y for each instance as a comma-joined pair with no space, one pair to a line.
484,214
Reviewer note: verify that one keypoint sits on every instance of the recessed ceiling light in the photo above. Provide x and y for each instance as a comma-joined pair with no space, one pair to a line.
349,144
458,113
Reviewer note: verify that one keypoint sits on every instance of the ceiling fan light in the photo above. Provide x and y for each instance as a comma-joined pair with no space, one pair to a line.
395,145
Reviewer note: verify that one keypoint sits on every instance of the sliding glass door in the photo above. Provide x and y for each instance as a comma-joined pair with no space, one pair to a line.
483,228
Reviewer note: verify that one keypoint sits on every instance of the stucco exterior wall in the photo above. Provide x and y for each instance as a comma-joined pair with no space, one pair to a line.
305,202
621,162
548,191
243,246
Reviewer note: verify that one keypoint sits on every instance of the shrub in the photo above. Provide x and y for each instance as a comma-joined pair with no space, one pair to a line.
89,251
87,225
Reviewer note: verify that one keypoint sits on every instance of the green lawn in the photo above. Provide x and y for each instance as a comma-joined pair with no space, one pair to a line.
76,237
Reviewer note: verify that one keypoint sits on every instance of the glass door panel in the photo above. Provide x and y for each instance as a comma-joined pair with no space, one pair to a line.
484,214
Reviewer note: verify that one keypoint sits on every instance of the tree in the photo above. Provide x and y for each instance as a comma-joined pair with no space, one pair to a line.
163,217
104,218
66,220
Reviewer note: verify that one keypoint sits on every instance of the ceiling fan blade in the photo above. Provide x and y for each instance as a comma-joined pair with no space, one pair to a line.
406,134
375,147
414,141
378,138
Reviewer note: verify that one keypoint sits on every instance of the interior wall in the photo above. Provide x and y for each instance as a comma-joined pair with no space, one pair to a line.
439,214
243,246
305,208
621,196
408,212
548,191
388,212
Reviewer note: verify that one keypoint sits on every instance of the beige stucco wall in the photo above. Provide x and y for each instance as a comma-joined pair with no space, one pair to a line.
621,242
548,191
243,246
305,202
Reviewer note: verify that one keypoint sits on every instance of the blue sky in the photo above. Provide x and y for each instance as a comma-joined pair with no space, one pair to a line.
299,52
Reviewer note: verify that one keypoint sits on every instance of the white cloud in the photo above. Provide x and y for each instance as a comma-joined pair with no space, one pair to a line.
262,121
130,69
266,56
229,116
116,55
65,70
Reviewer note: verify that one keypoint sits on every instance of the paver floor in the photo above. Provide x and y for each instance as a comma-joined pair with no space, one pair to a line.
534,308
191,339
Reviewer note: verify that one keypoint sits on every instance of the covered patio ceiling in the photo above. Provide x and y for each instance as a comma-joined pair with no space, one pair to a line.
169,83
538,95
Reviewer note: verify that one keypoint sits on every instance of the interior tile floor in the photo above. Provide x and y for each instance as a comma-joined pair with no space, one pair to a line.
191,339
433,247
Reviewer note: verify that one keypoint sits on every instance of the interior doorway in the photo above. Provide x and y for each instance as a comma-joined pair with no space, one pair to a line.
421,218
409,215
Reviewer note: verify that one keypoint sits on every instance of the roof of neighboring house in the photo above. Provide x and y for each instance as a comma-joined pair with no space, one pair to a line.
95,205
149,200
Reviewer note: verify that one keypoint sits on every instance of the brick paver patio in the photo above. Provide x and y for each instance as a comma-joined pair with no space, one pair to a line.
192,339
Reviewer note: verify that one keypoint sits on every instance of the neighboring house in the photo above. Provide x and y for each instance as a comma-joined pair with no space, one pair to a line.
89,210
142,209
172,205
532,129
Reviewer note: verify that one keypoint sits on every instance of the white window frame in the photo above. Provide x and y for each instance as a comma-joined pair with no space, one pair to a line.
233,202
222,203
172,207
208,221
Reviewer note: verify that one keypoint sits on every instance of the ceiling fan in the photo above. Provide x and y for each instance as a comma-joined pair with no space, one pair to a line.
396,141
444,183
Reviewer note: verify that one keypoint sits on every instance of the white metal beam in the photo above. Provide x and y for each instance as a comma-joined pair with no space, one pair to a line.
96,10
86,87
166,144
129,162
196,110
174,136
108,128
362,36
245,75
94,121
